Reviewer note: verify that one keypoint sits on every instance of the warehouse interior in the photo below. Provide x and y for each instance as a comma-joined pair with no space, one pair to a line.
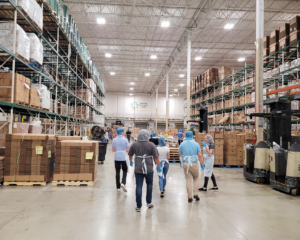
79,77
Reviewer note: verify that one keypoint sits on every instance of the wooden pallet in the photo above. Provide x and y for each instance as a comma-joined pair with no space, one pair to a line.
24,184
44,109
33,106
22,103
73,183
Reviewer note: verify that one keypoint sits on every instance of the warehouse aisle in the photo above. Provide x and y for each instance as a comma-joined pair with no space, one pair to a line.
240,210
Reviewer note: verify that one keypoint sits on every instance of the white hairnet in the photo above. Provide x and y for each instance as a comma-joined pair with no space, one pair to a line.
143,136
210,139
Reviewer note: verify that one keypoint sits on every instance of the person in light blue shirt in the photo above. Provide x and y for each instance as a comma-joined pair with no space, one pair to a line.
190,152
120,146
180,136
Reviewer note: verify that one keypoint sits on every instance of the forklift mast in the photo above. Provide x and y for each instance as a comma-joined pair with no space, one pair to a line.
203,123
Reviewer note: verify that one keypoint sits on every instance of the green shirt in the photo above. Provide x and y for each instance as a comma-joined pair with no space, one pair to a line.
192,131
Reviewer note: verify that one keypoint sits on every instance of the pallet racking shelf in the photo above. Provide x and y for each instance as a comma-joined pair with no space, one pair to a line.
64,70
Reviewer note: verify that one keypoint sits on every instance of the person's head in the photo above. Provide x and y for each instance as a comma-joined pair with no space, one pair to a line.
120,131
189,135
161,141
154,134
208,139
192,127
180,130
143,136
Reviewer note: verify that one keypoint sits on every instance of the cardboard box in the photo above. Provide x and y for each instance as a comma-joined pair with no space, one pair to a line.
219,141
249,141
240,143
274,37
218,156
219,148
20,127
240,162
249,136
231,152
34,97
295,24
219,161
61,138
219,135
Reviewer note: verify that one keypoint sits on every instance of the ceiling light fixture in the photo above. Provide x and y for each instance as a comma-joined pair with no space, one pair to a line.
132,83
181,75
171,95
153,57
229,26
112,73
108,55
165,23
242,59
198,58
101,20
181,85
131,88
130,94
147,74
176,90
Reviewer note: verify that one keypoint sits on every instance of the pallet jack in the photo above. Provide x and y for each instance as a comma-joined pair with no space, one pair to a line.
284,161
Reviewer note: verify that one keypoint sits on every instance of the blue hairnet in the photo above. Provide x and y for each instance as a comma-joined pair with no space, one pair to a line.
120,131
192,127
154,134
189,135
161,141
180,130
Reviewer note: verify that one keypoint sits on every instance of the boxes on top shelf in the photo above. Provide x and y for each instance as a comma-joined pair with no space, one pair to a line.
34,97
274,37
44,95
295,24
284,31
266,42
36,49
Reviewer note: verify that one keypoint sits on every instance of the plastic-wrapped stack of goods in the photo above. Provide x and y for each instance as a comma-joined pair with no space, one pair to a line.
250,110
35,127
92,116
62,109
44,95
76,160
29,157
91,84
36,49
82,112
219,148
21,88
85,94
22,41
19,127
34,97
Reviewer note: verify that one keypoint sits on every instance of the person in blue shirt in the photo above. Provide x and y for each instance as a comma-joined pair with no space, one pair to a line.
180,136
190,152
120,146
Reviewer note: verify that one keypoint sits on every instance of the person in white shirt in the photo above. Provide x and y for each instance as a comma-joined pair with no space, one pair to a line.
164,156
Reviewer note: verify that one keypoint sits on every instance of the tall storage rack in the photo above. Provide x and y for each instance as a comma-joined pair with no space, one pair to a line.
63,60
277,70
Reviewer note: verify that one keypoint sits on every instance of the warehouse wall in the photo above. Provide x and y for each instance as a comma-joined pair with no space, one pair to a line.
118,105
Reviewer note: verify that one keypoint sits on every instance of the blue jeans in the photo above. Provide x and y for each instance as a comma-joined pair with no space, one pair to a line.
139,177
163,180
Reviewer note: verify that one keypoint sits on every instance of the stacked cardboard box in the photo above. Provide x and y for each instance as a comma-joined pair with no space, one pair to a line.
1,169
274,41
266,48
85,94
19,127
295,30
240,139
62,109
82,112
62,138
249,137
230,148
284,36
76,160
29,157
225,72
219,148
22,86
34,97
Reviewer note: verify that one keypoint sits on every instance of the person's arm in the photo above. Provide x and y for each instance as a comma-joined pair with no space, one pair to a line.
168,155
113,149
156,160
130,158
200,157
127,149
155,155
209,152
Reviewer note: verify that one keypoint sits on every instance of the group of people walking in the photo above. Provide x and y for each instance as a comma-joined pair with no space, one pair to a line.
148,157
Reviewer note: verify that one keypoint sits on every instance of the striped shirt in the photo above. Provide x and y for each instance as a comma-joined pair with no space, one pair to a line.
140,149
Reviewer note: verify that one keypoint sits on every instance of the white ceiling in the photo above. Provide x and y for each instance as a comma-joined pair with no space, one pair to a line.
133,33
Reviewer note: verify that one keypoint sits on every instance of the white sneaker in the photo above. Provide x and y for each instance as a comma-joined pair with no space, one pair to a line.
123,187
137,209
118,189
150,205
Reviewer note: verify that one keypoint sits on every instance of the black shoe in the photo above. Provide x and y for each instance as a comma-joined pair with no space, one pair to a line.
214,189
161,194
196,198
202,189
190,200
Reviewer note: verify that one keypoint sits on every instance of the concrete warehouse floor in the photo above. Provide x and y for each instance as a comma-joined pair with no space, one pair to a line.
240,210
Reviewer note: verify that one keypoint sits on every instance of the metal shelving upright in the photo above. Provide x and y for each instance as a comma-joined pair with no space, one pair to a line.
64,74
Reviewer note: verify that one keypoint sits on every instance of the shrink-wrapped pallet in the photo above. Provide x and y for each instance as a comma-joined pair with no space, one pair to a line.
29,158
34,97
82,112
22,41
76,160
44,94
85,94
35,127
36,49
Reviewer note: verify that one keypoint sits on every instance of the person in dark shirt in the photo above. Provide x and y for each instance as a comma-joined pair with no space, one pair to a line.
154,138
192,130
128,133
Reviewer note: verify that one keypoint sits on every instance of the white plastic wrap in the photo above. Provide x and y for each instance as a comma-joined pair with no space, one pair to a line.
7,39
36,48
44,94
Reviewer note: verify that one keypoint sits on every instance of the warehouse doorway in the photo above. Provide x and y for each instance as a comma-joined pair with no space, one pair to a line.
161,126
141,125
179,126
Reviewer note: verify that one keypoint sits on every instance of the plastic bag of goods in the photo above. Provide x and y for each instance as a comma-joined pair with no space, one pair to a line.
284,93
44,94
36,49
35,127
7,39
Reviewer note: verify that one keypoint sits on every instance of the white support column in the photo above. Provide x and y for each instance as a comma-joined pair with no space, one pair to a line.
188,78
259,65
167,102
156,103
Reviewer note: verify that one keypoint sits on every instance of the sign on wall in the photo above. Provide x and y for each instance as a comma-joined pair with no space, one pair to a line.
139,106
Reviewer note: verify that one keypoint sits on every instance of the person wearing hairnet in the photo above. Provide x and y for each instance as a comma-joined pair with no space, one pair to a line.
209,159
120,146
190,152
128,133
192,129
180,136
145,152
164,156
154,138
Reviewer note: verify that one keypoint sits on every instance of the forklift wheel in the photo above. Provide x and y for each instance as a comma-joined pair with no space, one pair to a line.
295,192
260,180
